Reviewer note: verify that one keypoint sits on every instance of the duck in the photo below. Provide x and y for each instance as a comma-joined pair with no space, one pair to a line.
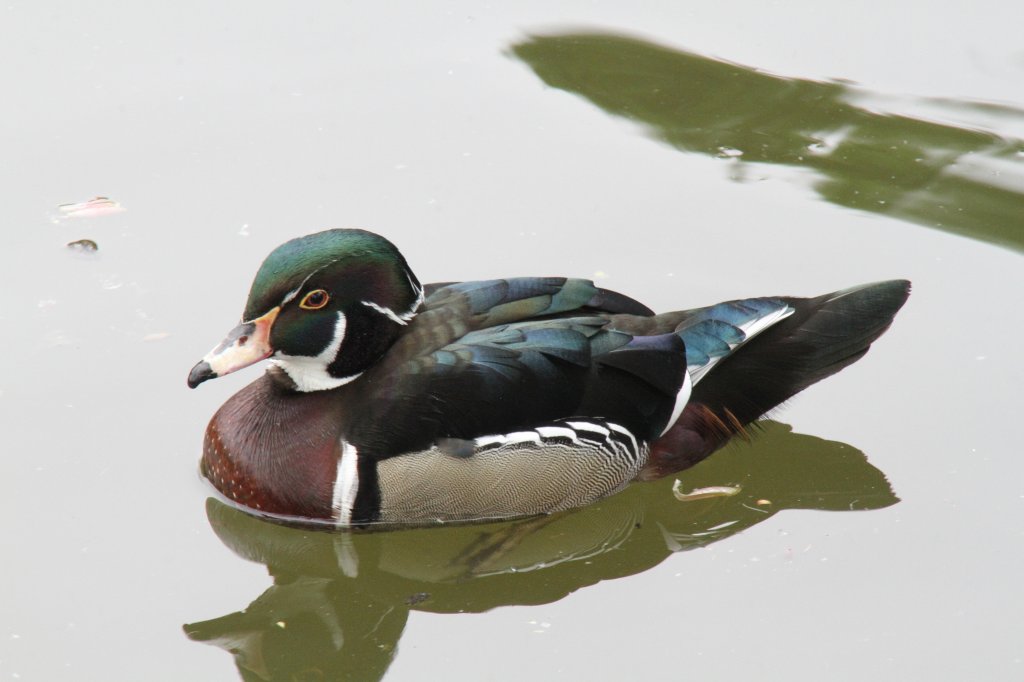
386,401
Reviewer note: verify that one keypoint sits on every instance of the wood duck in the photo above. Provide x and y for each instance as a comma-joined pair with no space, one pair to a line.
391,402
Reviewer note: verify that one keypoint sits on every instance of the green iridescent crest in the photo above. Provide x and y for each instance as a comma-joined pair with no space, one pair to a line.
374,267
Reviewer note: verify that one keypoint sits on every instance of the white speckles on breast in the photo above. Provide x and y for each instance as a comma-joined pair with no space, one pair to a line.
219,468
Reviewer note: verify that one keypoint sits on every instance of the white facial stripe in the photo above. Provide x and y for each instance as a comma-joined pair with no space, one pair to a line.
409,314
400,319
412,284
346,484
310,373
295,292
682,398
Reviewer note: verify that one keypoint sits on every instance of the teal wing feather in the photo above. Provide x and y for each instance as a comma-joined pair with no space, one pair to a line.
715,332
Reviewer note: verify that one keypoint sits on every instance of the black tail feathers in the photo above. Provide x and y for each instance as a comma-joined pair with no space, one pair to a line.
821,337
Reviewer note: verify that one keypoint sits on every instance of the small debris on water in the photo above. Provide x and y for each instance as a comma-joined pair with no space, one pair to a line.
417,598
156,336
763,502
83,245
703,493
97,206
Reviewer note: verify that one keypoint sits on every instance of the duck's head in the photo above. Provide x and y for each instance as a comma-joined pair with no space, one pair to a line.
323,307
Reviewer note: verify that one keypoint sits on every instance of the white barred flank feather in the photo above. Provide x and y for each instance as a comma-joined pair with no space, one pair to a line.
556,466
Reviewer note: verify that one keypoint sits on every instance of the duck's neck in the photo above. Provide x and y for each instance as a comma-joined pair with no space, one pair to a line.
274,449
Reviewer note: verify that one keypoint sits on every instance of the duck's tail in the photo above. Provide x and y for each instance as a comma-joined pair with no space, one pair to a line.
822,336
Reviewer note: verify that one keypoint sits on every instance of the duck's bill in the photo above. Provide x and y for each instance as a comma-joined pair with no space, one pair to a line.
246,344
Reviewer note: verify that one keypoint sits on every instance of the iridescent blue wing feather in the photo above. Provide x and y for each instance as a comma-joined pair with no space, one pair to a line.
715,332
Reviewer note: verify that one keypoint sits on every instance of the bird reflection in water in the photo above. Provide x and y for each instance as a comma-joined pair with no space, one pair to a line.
340,600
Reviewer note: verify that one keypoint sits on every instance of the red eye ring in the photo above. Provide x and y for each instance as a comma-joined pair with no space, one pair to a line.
315,300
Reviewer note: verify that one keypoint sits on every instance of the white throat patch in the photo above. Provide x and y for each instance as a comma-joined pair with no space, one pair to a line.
310,373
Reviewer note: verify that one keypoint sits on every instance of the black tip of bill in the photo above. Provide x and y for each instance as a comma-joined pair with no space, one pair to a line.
200,373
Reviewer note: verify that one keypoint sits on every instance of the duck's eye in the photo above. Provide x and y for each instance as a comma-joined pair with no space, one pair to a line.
315,300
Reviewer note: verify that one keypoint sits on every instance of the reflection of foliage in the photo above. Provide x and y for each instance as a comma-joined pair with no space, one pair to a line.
937,175
340,601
